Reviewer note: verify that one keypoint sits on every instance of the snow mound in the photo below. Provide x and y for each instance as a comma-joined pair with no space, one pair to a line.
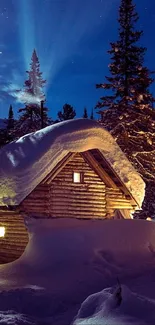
69,255
68,260
106,308
26,162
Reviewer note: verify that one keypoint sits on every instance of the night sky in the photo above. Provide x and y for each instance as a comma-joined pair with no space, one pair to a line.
71,38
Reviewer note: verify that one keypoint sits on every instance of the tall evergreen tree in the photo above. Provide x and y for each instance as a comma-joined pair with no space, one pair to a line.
92,114
67,113
9,133
34,114
129,80
130,116
10,123
85,114
34,84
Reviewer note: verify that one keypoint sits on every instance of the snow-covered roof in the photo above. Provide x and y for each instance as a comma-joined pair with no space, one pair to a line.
26,162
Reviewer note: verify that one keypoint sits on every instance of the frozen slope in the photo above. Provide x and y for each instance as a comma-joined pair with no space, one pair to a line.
26,162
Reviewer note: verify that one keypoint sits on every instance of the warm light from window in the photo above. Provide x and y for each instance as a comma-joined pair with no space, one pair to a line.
76,177
2,231
148,219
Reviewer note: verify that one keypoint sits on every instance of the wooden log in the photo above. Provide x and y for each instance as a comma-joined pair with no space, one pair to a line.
118,202
113,200
77,216
119,206
36,202
114,197
42,196
71,213
13,228
16,235
79,190
36,210
75,209
38,191
69,174
98,169
58,168
78,199
13,250
15,245
70,183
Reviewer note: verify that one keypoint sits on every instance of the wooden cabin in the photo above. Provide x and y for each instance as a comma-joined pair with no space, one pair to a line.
81,185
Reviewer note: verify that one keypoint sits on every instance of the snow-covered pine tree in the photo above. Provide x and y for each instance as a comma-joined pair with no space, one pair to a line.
34,84
67,113
130,116
85,114
32,95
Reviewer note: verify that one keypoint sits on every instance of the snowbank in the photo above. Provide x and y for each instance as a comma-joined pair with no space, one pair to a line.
67,260
26,162
108,308
78,255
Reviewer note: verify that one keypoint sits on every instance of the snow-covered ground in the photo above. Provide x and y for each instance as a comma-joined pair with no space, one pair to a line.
66,261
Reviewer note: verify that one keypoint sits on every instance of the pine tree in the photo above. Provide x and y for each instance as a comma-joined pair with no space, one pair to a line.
34,84
92,115
68,113
130,116
9,134
10,123
34,114
85,114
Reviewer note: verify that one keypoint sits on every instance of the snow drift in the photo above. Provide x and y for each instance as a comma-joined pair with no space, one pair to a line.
68,260
106,308
69,255
26,162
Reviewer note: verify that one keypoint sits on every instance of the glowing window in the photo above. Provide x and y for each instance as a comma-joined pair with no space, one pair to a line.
76,177
2,231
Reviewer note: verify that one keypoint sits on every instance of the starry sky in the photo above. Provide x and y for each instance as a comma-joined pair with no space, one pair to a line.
71,38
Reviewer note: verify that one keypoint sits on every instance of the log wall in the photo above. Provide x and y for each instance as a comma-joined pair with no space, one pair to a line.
116,200
80,200
60,197
63,198
13,244
38,201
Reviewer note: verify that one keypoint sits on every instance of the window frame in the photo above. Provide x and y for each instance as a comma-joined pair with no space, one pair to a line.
81,177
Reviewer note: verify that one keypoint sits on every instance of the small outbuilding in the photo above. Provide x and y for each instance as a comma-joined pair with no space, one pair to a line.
72,169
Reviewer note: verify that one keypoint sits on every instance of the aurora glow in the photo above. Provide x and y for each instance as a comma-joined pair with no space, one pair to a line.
71,38
57,35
